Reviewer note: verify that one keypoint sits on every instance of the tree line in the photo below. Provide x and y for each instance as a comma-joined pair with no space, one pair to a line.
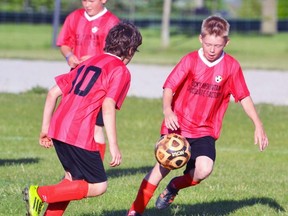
154,8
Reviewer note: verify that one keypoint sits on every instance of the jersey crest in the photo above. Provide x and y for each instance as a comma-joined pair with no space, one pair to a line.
94,29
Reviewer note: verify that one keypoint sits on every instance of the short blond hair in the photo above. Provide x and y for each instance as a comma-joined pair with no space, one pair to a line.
215,25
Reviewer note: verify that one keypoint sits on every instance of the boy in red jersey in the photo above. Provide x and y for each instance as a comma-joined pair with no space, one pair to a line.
82,36
84,31
101,81
195,98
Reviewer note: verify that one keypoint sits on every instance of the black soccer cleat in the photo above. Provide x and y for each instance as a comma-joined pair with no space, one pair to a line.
166,197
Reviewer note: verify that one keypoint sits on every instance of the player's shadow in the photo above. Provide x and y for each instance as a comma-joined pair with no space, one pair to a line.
118,172
218,208
11,162
226,207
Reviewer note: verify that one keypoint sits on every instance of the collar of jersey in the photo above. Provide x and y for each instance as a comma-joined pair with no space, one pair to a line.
89,18
209,64
113,55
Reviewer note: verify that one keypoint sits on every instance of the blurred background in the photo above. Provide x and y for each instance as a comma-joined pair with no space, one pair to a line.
266,16
259,28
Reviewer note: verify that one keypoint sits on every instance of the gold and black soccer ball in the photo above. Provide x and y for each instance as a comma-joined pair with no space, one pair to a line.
172,151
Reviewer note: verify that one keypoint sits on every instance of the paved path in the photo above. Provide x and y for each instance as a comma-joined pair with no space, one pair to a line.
20,75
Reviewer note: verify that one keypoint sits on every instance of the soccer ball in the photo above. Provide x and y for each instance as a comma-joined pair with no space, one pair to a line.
172,151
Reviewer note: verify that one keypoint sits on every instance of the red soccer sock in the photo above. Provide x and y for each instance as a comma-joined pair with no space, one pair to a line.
56,209
102,148
64,191
144,195
184,181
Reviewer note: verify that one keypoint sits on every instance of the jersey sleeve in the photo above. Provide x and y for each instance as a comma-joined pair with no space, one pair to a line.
119,85
65,36
178,74
64,81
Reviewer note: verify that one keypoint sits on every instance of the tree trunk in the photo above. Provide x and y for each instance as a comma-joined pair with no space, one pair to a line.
199,3
269,17
165,31
56,21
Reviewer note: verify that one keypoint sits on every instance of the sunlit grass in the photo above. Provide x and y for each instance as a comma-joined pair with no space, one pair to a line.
244,182
251,50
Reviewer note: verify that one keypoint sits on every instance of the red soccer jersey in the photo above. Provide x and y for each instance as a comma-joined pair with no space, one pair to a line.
86,35
202,93
83,91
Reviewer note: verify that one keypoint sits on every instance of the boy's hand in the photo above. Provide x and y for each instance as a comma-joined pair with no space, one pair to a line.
116,157
84,58
73,61
171,120
45,141
261,138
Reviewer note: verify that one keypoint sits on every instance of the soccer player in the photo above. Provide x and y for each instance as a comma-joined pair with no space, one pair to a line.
101,81
195,98
82,36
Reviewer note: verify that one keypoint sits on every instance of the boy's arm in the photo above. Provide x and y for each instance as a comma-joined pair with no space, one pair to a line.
109,117
171,120
71,59
49,107
260,136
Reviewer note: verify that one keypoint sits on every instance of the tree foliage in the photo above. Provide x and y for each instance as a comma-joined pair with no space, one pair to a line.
148,8
250,9
37,5
282,9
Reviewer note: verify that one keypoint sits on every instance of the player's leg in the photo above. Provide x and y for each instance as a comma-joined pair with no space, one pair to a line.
87,167
99,135
97,189
147,188
56,209
34,202
203,169
198,168
70,190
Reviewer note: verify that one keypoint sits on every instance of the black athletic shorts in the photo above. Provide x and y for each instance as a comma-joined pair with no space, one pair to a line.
99,119
203,146
82,164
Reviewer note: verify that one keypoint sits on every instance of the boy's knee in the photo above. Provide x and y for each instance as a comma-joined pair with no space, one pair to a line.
203,172
97,189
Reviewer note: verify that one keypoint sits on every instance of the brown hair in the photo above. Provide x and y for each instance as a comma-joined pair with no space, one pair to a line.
123,40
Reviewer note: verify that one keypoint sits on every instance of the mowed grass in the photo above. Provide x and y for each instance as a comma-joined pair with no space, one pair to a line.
244,182
256,51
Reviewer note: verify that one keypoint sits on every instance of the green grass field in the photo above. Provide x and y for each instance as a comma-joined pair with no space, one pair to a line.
251,50
245,181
